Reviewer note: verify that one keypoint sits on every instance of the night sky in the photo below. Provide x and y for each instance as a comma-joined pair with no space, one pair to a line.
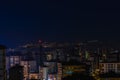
22,21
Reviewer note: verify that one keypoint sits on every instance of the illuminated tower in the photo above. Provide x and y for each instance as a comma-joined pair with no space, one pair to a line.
2,63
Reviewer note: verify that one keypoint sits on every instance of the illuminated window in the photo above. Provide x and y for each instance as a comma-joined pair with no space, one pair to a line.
111,67
49,57
102,65
11,60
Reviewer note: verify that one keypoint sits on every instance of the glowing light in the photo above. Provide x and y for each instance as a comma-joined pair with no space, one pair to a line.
40,41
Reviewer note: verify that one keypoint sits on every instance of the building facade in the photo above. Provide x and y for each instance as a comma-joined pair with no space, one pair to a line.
106,67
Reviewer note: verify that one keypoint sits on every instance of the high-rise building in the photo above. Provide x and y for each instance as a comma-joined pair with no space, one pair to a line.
2,63
16,72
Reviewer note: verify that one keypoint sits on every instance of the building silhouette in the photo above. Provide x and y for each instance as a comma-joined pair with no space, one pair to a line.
2,63
16,72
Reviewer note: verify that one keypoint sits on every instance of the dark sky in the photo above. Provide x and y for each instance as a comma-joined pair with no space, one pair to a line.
22,21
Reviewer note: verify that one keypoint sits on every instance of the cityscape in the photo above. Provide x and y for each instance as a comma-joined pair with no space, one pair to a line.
59,40
90,60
